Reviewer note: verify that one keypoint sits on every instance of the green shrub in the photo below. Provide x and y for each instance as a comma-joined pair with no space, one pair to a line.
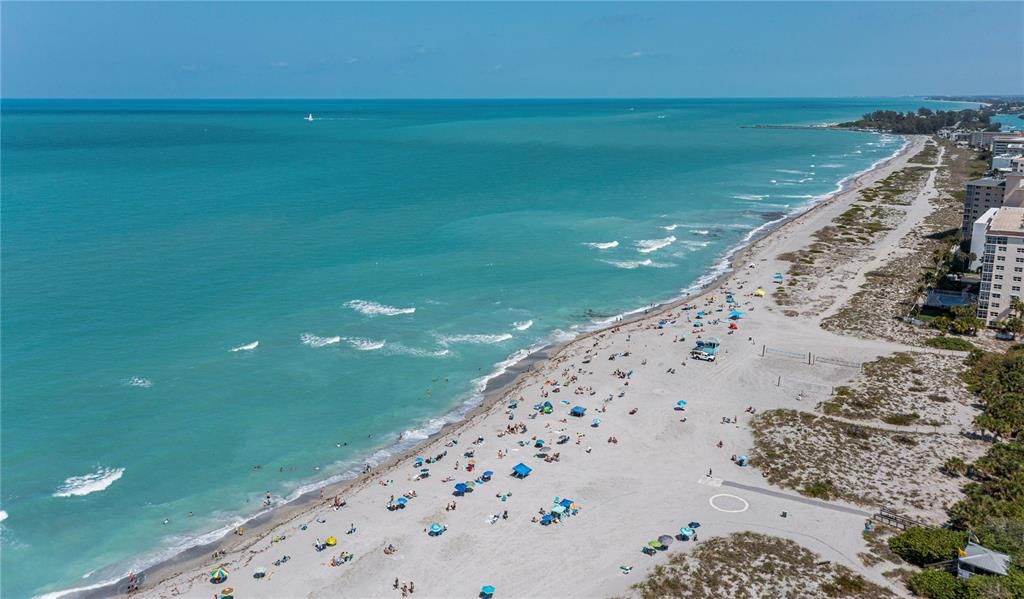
952,343
822,489
936,584
955,466
901,419
921,546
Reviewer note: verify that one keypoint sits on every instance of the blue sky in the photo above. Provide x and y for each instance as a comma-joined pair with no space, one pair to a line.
498,49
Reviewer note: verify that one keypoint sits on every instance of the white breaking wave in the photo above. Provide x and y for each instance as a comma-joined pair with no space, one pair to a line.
247,346
398,348
671,227
631,264
607,245
480,339
751,197
138,381
522,325
789,171
313,341
3,515
374,309
805,196
364,344
76,486
701,232
647,246
831,165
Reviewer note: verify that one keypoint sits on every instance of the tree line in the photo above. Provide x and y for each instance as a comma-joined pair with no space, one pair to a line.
925,120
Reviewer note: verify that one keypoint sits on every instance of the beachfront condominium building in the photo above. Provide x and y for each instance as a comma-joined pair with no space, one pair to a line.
983,139
990,192
1007,144
1002,262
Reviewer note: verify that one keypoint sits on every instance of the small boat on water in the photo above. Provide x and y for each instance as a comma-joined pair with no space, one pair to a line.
309,117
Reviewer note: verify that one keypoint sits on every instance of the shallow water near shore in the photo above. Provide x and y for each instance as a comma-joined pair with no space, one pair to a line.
206,301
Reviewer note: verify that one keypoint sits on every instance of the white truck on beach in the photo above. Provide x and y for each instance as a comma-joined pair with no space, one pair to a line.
706,349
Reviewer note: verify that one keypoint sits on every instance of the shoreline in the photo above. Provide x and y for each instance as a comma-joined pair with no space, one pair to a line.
496,389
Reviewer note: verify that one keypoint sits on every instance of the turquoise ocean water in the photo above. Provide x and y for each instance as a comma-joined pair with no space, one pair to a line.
191,289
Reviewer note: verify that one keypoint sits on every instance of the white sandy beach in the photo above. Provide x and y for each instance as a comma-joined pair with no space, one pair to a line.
654,480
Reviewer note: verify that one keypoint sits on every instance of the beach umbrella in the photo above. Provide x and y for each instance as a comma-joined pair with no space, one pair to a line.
227,592
665,540
596,422
686,532
681,403
544,450
259,572
331,541
402,501
436,528
219,574
654,544
694,524
460,487
488,474
487,590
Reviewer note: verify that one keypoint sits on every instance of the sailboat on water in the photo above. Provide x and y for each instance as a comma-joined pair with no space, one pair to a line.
309,117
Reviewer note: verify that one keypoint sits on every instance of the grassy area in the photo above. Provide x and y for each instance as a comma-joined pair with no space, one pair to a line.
953,343
893,290
830,459
903,389
753,565
928,155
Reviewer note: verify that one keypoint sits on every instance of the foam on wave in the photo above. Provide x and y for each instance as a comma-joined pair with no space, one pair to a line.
314,341
364,344
247,346
476,339
751,197
603,245
646,246
368,308
138,381
522,325
94,482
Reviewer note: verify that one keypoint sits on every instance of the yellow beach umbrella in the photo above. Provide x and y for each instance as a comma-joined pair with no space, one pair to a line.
759,292
331,541
219,573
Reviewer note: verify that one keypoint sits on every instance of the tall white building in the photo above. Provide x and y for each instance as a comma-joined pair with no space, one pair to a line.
1002,259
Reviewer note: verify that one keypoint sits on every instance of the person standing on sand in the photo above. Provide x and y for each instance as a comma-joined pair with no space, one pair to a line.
396,583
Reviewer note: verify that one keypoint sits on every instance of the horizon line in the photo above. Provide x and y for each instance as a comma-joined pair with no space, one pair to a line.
500,98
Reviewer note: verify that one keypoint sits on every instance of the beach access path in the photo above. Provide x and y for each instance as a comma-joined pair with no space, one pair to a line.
665,470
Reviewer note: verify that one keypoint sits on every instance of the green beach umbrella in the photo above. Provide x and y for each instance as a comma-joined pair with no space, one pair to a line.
219,573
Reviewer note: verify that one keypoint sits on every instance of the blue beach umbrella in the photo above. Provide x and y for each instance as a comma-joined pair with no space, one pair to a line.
402,501
694,524
487,591
436,528
686,532
681,403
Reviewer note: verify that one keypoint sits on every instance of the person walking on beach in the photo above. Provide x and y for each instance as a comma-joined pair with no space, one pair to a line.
396,583
709,472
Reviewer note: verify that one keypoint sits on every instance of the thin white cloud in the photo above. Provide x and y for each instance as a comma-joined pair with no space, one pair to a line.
634,55
279,64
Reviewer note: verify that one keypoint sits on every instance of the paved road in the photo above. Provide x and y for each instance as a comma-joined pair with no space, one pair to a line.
797,498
